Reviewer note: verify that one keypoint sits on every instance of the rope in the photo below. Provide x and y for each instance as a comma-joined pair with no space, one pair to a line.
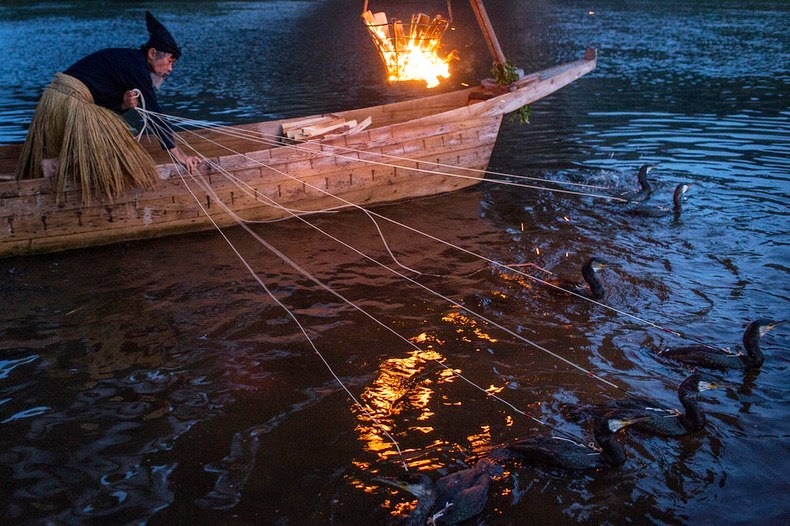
439,295
254,135
206,186
143,114
326,150
292,316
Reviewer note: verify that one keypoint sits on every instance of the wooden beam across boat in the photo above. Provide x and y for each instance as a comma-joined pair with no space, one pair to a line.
407,149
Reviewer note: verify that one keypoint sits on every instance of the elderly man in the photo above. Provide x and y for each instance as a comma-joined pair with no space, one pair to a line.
78,130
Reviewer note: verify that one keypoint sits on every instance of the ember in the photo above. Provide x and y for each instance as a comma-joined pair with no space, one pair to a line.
410,52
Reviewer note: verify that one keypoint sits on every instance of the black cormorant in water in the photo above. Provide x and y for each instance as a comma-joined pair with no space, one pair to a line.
564,453
594,289
662,211
451,499
645,190
701,355
658,420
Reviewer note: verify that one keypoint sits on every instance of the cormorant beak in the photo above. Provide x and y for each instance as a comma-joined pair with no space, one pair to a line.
418,489
616,424
599,263
706,382
400,484
769,326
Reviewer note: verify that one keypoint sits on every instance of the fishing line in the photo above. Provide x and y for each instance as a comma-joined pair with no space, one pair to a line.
207,187
295,319
496,263
327,151
437,294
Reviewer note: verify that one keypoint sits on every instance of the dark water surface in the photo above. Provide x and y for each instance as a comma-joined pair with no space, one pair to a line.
157,381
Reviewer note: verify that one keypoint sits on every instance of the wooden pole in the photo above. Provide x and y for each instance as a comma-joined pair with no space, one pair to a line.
488,31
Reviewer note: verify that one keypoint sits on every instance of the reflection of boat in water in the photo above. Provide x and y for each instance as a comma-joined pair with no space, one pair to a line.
412,148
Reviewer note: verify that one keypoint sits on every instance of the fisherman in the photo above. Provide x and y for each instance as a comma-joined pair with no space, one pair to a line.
78,129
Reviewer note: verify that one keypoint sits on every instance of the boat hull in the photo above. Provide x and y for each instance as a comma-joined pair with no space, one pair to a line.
412,149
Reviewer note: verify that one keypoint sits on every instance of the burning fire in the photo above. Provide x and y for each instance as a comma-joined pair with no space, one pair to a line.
412,54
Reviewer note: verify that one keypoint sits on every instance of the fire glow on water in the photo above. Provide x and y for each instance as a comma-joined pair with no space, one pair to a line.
411,52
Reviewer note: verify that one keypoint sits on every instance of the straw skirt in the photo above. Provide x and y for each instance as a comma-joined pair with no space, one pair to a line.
92,145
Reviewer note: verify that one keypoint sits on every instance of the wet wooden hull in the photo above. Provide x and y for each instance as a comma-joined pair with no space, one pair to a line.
412,149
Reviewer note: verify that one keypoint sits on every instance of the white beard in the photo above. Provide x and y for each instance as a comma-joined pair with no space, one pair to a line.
157,81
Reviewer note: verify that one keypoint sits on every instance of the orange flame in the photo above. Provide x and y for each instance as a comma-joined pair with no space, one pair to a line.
412,54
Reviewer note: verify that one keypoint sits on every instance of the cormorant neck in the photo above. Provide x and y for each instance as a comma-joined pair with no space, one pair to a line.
677,203
643,182
694,418
751,342
422,512
612,452
597,291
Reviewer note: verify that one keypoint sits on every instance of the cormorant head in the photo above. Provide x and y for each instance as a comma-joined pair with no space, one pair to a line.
677,197
767,325
707,385
418,484
699,382
681,189
596,263
645,169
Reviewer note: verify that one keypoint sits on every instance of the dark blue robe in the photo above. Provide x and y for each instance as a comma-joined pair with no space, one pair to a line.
110,73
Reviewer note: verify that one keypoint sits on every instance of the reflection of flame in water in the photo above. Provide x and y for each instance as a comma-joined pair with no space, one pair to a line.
404,387
465,323
404,393
412,55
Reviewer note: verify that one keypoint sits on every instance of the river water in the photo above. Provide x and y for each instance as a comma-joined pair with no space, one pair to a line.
158,382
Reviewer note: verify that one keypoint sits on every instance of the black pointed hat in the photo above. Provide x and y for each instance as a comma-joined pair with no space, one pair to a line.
160,38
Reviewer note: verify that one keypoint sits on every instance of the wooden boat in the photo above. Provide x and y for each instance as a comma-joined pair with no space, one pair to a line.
413,148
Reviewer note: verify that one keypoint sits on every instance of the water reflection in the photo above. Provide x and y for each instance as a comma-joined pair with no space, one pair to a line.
403,392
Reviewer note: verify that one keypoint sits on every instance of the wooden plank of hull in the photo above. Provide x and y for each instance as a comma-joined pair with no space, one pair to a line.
383,163
170,209
320,167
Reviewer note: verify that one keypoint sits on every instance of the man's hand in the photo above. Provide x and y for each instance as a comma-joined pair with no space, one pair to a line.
190,162
129,100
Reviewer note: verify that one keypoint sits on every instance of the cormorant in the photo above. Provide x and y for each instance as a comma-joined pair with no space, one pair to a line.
701,355
661,211
658,420
564,453
645,190
451,499
594,289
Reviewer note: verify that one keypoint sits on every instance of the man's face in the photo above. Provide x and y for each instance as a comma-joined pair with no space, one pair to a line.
160,64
